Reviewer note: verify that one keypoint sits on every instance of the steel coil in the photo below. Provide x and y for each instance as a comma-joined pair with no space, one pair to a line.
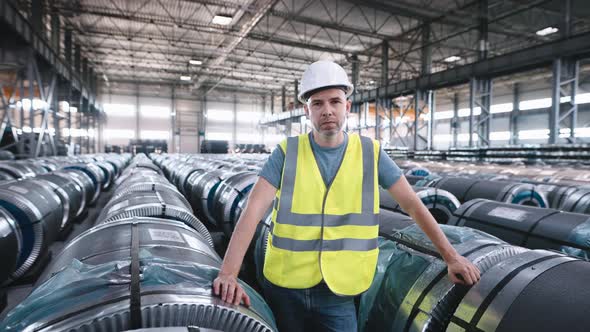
39,215
203,192
534,291
227,201
70,193
531,227
440,203
182,301
466,189
11,244
94,173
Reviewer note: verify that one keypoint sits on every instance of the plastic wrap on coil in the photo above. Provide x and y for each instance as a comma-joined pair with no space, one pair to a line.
398,268
581,236
81,283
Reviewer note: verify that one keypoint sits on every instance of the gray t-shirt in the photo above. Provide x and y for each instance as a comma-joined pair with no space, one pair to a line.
328,160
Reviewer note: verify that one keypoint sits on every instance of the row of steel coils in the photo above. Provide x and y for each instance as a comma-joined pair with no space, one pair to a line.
147,263
39,200
519,290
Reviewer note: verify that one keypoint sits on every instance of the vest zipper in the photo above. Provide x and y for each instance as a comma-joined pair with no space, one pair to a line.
328,186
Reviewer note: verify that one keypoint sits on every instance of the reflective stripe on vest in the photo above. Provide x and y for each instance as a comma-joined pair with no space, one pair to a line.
345,239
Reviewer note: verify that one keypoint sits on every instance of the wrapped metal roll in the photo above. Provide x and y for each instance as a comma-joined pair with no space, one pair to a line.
530,227
16,171
152,204
177,269
94,173
417,171
184,174
191,182
390,222
413,179
34,166
440,203
70,193
226,207
108,172
11,244
203,192
577,200
37,210
411,290
83,181
148,185
466,189
534,291
5,176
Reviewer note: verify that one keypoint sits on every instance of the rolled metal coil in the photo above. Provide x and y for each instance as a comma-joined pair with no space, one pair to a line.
109,173
11,244
191,182
163,304
83,181
183,174
36,167
413,179
140,172
94,173
203,193
152,204
513,296
577,200
390,222
466,189
440,203
530,227
227,201
5,176
39,215
16,171
417,171
70,193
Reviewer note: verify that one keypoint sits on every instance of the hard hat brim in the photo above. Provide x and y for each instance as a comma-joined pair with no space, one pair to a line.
304,95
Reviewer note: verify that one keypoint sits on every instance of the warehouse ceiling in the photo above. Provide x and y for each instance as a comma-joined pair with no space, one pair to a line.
267,44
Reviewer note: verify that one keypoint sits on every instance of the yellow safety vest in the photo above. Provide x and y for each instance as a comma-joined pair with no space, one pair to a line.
325,232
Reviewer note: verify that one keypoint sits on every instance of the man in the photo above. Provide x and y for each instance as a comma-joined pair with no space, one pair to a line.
322,247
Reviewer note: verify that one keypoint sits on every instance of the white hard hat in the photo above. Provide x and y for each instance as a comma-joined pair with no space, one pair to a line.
323,74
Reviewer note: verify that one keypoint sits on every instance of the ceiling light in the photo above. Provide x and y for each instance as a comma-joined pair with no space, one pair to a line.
547,31
185,78
452,58
222,19
195,62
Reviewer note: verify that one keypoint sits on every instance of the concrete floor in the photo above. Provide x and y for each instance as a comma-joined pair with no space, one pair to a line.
17,293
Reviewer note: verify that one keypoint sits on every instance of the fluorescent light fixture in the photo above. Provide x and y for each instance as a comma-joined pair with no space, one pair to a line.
195,62
547,31
155,112
501,108
452,58
73,109
245,116
222,19
185,78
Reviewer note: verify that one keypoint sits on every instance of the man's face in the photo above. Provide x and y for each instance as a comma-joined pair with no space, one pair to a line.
327,111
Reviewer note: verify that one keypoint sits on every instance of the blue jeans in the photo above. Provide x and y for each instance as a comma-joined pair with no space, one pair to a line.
310,309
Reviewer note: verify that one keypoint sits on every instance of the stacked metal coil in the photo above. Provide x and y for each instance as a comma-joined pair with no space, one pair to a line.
39,215
230,199
70,192
11,244
466,189
440,203
203,193
139,195
95,174
530,227
97,271
411,290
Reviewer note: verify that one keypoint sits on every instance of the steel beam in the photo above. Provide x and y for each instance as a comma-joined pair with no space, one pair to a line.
514,114
566,74
455,120
384,63
426,59
576,46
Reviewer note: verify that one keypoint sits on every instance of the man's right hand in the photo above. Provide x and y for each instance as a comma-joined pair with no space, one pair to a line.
230,291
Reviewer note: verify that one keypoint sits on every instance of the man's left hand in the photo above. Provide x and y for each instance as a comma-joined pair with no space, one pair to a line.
462,271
